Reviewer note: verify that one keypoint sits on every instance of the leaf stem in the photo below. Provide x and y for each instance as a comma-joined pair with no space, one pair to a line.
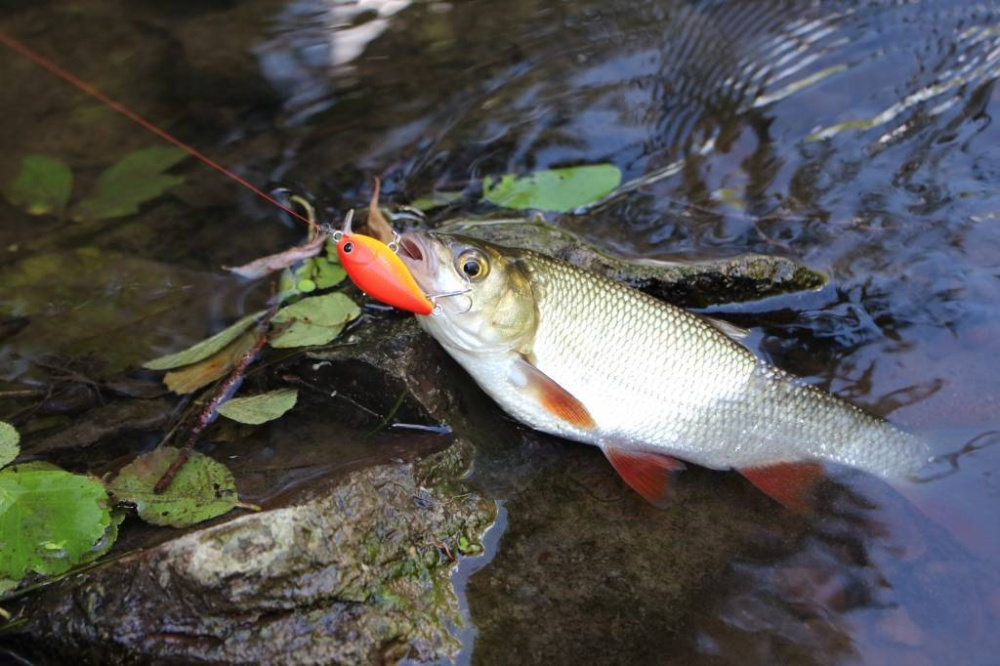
224,393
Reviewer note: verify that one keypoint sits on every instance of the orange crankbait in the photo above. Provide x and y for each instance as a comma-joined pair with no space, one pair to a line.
379,272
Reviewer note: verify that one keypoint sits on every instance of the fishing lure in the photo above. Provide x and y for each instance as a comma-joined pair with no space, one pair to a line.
378,271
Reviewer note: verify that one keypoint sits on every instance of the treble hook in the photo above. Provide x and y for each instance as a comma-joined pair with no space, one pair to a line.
433,298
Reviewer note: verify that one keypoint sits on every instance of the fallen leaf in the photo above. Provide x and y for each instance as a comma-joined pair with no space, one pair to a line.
559,190
314,321
436,200
105,543
131,182
9,443
192,377
50,519
275,262
378,226
316,273
257,409
203,488
327,272
203,349
7,585
43,185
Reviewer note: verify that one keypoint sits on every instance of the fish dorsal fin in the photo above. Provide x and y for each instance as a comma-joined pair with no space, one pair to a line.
729,329
649,473
791,484
556,400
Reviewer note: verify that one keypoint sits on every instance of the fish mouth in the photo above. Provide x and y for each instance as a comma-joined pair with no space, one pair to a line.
410,248
419,257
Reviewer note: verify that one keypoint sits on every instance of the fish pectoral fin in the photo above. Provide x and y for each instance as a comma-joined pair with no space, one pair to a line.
649,473
791,484
553,398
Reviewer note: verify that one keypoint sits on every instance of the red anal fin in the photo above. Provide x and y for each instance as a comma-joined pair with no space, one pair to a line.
791,484
646,472
553,398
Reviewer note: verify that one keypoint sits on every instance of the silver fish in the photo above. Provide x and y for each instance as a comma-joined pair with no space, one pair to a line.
581,356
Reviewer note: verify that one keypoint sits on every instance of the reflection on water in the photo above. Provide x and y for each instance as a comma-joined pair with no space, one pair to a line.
857,137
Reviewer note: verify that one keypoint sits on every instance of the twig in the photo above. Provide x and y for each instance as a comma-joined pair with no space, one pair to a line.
226,389
441,545
15,394
298,381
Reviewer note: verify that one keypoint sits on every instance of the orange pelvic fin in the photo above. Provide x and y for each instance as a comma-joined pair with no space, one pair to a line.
647,472
791,484
380,273
554,398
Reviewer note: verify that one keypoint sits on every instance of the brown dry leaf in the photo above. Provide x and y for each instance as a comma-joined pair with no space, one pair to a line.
378,226
192,377
259,268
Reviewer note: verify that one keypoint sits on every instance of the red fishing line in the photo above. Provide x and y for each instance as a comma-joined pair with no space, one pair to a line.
80,84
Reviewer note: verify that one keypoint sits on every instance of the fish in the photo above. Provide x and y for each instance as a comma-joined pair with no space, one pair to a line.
578,355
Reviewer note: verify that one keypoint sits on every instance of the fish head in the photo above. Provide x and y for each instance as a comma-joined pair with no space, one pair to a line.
482,293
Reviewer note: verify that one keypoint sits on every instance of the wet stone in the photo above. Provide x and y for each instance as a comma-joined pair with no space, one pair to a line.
353,574
743,277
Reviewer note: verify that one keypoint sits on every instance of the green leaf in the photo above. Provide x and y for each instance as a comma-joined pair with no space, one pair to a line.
316,273
314,321
43,185
192,377
6,585
50,519
9,440
327,273
436,200
261,408
559,190
203,349
203,488
104,545
134,180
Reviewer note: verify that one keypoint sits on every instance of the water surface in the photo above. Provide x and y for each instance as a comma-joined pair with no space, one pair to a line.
855,137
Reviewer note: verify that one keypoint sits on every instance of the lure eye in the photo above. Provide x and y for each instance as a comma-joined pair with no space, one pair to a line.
348,247
474,265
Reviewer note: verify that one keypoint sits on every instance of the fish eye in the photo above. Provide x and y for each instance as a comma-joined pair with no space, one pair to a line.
474,265
348,247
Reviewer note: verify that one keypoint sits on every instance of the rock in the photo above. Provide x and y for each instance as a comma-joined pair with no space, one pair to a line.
376,364
742,278
352,574
350,571
103,422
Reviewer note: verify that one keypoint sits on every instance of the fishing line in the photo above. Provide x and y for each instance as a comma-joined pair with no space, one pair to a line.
82,85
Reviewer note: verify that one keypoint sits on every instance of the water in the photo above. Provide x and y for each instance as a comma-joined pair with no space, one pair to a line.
856,137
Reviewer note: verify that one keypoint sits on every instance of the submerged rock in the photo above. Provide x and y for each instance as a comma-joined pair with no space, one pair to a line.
694,284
